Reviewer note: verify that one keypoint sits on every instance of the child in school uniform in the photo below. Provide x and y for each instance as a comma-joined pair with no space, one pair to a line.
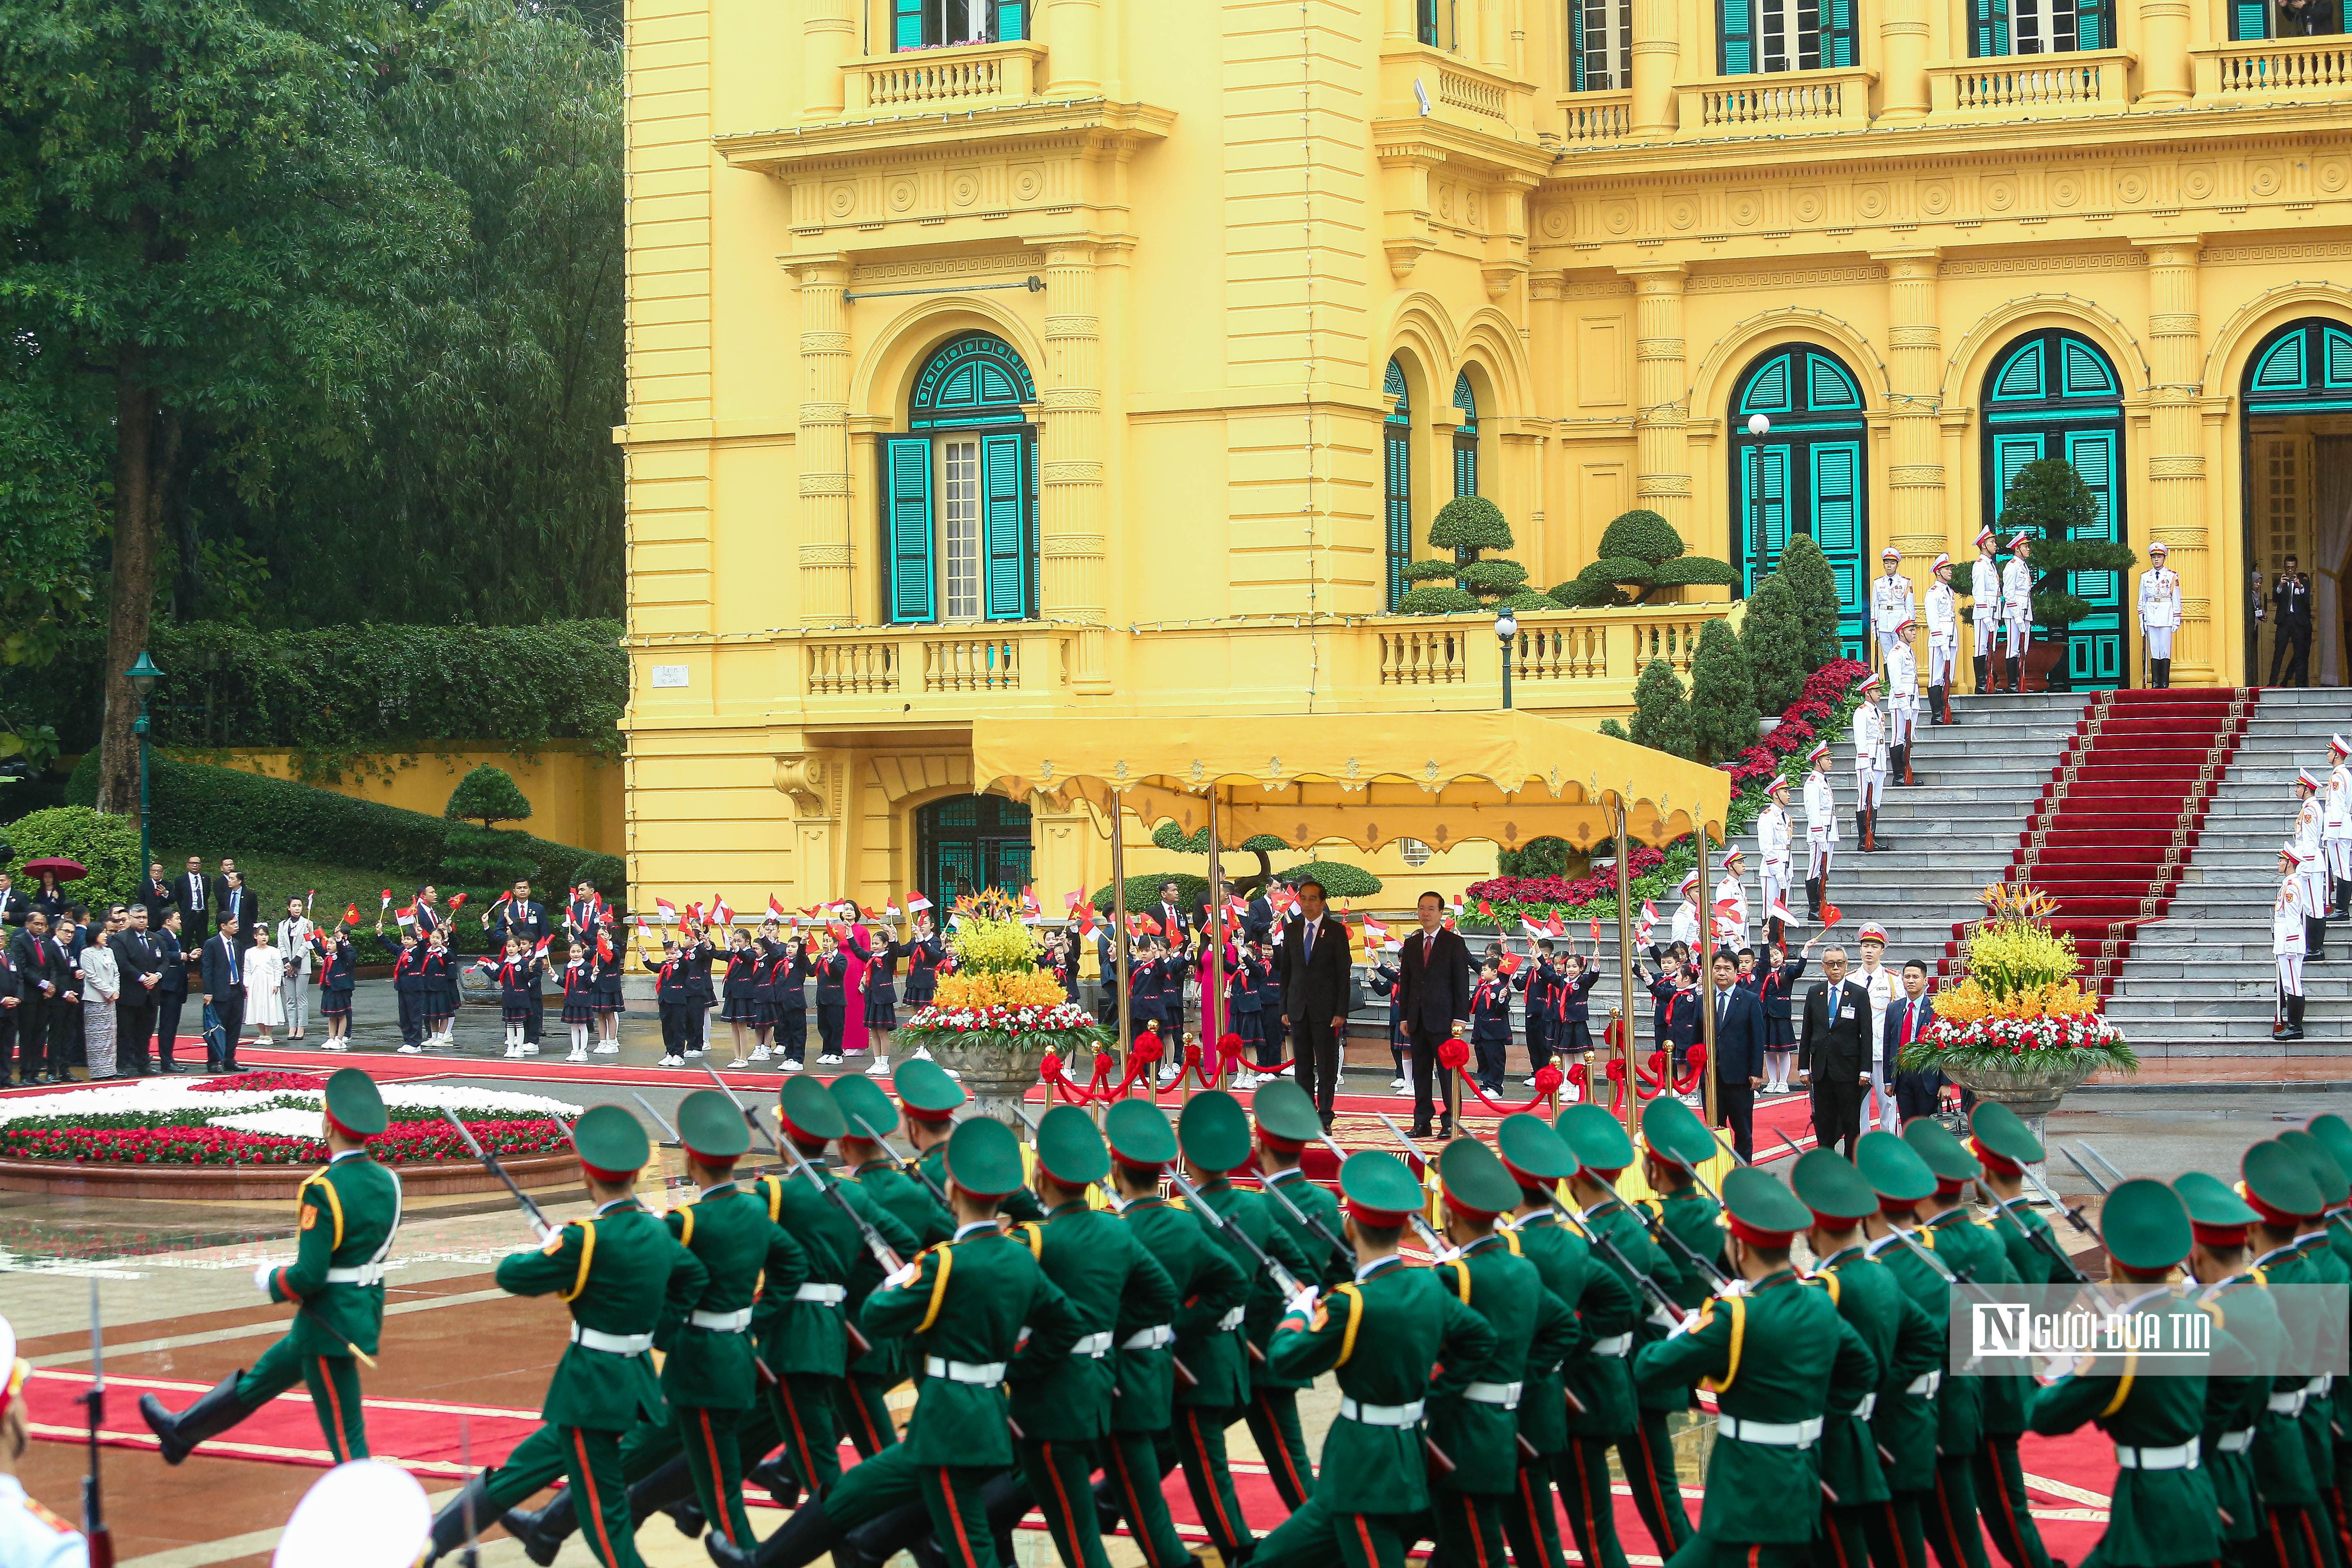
1535,980
438,998
578,984
694,958
740,994
606,998
407,985
338,977
788,972
674,996
831,967
1490,1020
515,969
1571,1002
880,983
1389,980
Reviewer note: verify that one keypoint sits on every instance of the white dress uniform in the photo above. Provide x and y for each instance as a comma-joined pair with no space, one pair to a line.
2016,606
2335,831
1869,756
1730,912
2310,839
33,1537
1943,634
2159,609
1685,929
2287,917
1901,693
1984,608
1880,984
1772,843
1820,823
1891,605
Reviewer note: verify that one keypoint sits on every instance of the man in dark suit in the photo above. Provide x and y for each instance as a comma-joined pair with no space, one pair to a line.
1833,1054
154,896
1434,992
1173,917
13,905
193,893
223,982
41,979
232,897
1315,968
1738,1053
1258,925
171,991
2290,628
12,1002
516,916
139,962
1915,1093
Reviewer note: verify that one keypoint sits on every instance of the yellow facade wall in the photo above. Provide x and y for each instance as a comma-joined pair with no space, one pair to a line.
575,796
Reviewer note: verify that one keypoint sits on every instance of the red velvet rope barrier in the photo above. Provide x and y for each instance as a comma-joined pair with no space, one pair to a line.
1548,1080
1099,1085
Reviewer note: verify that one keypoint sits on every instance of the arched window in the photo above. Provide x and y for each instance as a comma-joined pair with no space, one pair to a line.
2052,394
959,491
1465,439
2038,27
931,24
1396,447
2297,390
1806,474
1600,45
1762,36
2303,368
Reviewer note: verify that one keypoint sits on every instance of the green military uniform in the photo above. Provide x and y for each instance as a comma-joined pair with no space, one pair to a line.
2334,1135
1907,1422
348,1212
2236,1408
931,1098
2001,1139
861,1399
1572,1415
1397,1338
1771,1354
2317,1246
1209,1287
1858,1516
2163,1512
1478,1427
1287,1123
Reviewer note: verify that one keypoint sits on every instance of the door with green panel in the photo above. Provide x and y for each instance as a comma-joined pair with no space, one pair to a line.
1809,474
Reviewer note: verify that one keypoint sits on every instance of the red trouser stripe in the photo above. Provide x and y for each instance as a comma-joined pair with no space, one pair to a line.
595,1509
1062,1495
1281,1443
334,1412
2015,1547
717,1479
1209,1474
955,1518
1900,1548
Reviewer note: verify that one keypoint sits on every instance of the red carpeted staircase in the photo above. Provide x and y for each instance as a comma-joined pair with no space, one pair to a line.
2116,824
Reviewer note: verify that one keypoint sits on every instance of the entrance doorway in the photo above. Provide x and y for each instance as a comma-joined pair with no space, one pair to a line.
2298,488
967,843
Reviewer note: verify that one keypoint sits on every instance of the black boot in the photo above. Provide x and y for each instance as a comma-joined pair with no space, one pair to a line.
543,1530
2343,904
669,1489
1935,705
2278,1017
1813,898
1982,664
782,1483
2294,1006
209,1416
806,1537
2314,939
461,1519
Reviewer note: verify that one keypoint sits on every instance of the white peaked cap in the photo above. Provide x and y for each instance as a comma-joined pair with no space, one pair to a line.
364,1514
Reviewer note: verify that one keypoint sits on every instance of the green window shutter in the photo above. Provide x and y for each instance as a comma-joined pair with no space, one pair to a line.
1987,29
2010,454
1837,34
1399,486
907,527
1735,22
906,23
1427,21
2249,20
1012,21
1004,527
1837,501
1576,46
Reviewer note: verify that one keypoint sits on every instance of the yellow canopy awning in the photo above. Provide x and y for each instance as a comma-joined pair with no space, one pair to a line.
1369,779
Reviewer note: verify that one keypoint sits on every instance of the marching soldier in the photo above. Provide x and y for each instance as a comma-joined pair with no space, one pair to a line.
1568,1418
1675,1146
1943,641
1387,1334
2290,935
348,1212
1773,842
931,1098
2280,1186
1891,602
2335,836
1821,828
1984,608
1764,1475
2159,614
1901,1180
1903,699
2017,606
2316,1248
1287,1123
1478,1427
2004,1146
862,1399
1869,763
2310,830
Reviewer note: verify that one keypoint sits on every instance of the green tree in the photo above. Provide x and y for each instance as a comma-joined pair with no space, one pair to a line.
487,796
1639,551
199,229
105,846
1465,528
2049,500
1775,639
1722,697
1814,588
483,856
1167,836
1661,715
1544,857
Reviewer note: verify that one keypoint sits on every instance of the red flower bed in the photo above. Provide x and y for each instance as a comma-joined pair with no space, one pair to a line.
1560,889
263,1082
402,1144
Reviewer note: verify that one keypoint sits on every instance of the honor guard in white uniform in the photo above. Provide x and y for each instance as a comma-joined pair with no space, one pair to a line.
31,1535
1873,976
2159,615
1984,606
2311,837
2335,839
1772,843
1891,602
1686,926
1731,903
1943,640
2017,606
1820,828
2287,927
1902,701
1869,763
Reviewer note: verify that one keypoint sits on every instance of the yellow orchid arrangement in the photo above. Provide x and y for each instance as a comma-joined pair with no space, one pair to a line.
1001,988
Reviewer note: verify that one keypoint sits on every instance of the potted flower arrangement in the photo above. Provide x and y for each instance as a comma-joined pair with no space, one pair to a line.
2019,1028
996,1013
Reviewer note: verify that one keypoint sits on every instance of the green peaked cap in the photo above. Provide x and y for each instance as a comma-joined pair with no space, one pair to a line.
709,1125
1377,1181
1475,1178
2211,1201
1593,1136
1892,1168
2003,1132
2334,1135
1946,1156
1287,1112
858,1096
2144,1225
1070,1148
1138,1133
355,1104
2279,1181
1757,1199
1673,1130
1826,1183
811,1114
2325,1174
610,1139
926,1090
1214,1130
984,1157
1531,1149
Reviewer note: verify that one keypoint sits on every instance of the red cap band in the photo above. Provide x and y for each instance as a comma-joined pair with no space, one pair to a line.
1133,1165
2277,1219
1949,1186
339,1126
1610,1176
2225,1237
918,1113
1385,1219
716,1161
1896,1208
1835,1221
1771,1240
1475,1216
1279,1144
610,1178
2000,1166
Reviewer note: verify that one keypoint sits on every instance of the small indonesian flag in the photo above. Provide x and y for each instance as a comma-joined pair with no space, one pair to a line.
777,911
1779,912
668,910
1070,901
1086,922
1647,923
540,949
1029,904
407,914
1730,901
1533,930
719,913
388,898
917,903
1375,934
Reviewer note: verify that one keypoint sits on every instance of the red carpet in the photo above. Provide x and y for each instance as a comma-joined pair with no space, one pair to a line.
2119,816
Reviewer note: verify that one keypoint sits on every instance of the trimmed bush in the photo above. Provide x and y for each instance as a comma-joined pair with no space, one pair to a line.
487,796
1773,635
1722,697
1340,880
107,847
1661,715
1814,585
1464,528
1639,551
1143,893
1545,857
2049,500
1641,534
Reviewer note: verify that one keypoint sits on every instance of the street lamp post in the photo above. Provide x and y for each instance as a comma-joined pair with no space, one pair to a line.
1758,427
143,677
1506,633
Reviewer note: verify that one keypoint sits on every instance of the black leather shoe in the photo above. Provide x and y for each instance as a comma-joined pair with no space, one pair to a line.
1418,1129
215,1412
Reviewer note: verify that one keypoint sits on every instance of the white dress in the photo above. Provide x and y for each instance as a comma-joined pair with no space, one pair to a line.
265,1005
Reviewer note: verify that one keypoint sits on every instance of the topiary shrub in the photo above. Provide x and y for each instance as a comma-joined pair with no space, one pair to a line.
487,796
1340,880
1639,551
1464,528
1143,893
1166,836
1773,637
1661,715
1814,585
1722,697
107,847
2049,500
1545,857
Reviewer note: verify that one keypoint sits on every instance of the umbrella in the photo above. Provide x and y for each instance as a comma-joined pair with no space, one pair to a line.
66,870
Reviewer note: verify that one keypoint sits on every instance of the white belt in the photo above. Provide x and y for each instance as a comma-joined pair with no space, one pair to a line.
2319,1386
733,1322
1094,1345
2179,1456
1924,1385
2236,1442
611,1345
1232,1320
1615,1344
1867,1409
1772,1434
1149,1339
365,1274
824,1295
1505,1395
1381,1415
982,1375
2289,1405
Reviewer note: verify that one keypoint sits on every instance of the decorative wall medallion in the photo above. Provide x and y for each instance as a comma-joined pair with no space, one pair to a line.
2001,195
1470,208
964,189
841,200
902,195
1744,208
1446,201
2262,179
2131,185
1028,184
1870,201
1808,206
1935,198
2197,181
1682,215
2066,190
1619,217
2330,175
1555,221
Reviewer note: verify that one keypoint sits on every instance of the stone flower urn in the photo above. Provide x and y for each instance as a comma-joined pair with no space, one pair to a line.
996,1076
2033,1088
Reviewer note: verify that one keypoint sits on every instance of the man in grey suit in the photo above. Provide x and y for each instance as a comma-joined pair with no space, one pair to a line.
1315,968
1434,996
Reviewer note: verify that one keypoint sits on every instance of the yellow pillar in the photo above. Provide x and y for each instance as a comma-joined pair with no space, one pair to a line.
1074,60
1903,48
824,443
2176,464
1915,478
1074,580
1661,423
2164,63
1657,55
829,31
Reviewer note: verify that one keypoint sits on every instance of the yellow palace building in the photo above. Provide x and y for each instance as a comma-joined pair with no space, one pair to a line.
1091,357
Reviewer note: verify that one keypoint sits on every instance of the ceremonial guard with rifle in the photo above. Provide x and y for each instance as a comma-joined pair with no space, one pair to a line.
1308,1215
862,1399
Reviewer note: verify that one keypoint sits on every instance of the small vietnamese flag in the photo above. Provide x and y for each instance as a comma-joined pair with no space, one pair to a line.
1596,928
456,903
352,915
1831,915
1552,926
1486,909
1069,902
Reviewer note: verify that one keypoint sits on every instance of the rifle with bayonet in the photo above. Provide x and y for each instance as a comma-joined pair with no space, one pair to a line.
532,1211
93,1502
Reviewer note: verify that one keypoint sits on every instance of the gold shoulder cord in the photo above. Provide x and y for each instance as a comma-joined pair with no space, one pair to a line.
587,1251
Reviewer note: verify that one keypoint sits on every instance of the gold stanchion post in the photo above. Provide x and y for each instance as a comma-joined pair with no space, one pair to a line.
1625,972
1118,939
1707,974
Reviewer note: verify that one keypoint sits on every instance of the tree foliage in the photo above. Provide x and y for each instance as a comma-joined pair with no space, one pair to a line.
1638,550
2050,501
1814,585
1167,836
1722,697
105,846
487,796
1774,637
1464,528
1662,714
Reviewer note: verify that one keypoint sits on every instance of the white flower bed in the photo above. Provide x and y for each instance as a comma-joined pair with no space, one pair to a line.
269,1110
